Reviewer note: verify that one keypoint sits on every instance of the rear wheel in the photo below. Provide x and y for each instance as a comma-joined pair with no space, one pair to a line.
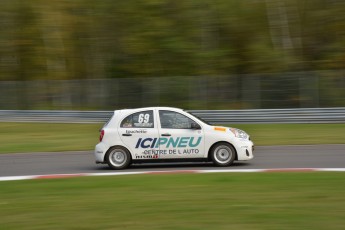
118,158
223,154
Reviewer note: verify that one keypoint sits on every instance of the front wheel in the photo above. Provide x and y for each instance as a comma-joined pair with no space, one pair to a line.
118,158
223,154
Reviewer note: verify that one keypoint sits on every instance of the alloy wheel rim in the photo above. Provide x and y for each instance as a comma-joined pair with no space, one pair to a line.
118,157
223,154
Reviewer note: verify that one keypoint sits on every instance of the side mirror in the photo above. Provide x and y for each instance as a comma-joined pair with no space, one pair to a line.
194,125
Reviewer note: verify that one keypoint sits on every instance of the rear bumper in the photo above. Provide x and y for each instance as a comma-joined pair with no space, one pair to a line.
100,151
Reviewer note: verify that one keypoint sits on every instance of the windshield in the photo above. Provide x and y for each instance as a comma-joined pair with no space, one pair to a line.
198,118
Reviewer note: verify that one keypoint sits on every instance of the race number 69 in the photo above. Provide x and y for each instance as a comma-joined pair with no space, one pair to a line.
144,118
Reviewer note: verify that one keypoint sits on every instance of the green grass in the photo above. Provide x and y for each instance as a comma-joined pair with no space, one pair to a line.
184,201
38,137
295,134
41,137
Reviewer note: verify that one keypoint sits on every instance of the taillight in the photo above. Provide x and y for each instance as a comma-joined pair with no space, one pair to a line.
101,135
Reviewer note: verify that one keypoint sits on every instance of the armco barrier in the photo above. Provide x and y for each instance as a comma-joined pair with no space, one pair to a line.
305,115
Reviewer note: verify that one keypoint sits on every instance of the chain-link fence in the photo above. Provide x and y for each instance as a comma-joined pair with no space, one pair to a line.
292,90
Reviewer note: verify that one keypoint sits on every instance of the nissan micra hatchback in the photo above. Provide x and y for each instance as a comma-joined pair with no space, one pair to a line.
159,134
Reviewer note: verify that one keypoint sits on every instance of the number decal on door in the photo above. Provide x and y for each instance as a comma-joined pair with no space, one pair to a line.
144,121
144,118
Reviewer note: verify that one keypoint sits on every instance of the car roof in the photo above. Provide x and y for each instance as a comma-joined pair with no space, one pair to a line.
149,108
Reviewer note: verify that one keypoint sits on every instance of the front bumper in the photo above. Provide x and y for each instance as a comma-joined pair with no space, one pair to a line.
245,150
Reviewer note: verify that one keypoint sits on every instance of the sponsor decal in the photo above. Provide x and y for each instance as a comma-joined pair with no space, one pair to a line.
220,129
146,157
178,142
175,146
144,125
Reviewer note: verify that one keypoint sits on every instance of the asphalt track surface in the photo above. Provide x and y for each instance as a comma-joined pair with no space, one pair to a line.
266,157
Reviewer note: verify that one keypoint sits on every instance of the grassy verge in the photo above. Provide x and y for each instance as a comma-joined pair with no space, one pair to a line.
191,201
36,137
295,134
41,137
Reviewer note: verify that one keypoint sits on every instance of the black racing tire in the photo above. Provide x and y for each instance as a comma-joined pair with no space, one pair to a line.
118,158
223,154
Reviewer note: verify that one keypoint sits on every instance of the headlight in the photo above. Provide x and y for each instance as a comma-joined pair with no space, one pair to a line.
239,133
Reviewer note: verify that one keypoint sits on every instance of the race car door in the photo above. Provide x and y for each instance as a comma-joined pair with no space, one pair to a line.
139,133
179,136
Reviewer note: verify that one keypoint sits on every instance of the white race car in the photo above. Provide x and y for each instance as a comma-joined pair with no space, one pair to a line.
159,134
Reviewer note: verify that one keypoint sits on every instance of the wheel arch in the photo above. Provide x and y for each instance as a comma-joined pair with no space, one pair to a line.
218,142
114,146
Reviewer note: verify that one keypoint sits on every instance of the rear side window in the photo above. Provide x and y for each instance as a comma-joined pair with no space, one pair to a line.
142,119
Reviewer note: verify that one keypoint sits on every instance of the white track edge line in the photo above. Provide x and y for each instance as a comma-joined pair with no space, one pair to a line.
53,176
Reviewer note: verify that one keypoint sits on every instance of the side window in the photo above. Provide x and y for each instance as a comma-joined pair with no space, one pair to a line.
142,119
174,120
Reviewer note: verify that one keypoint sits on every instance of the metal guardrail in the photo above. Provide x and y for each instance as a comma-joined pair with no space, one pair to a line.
305,115
55,116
